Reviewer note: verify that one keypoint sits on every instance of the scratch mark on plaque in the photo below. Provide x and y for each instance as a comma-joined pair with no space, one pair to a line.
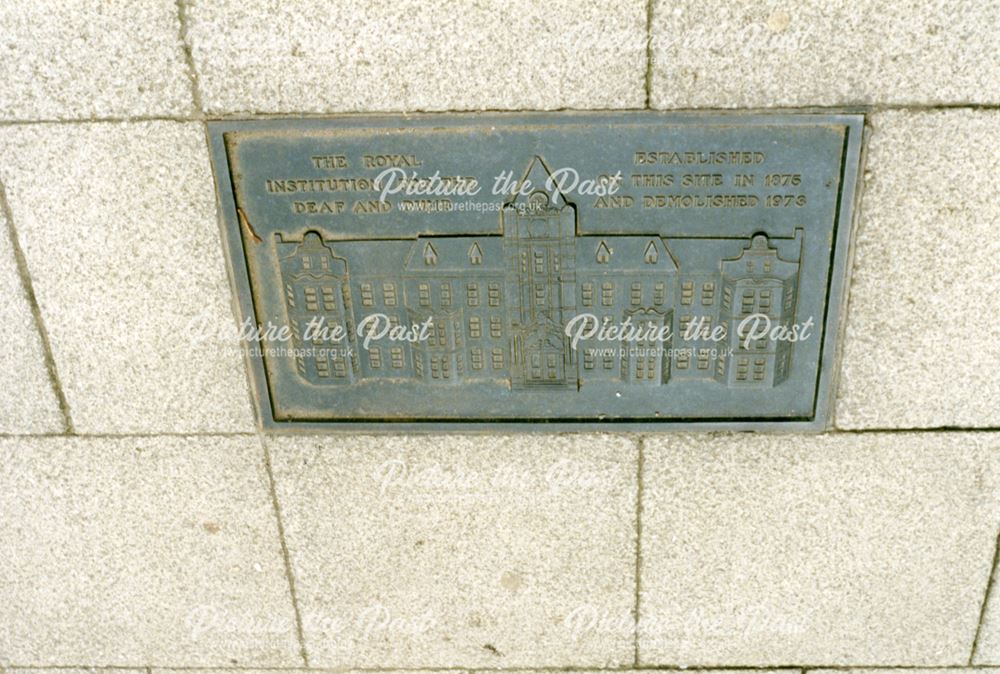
246,224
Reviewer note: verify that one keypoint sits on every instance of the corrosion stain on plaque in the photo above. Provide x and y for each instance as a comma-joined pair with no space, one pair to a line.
641,269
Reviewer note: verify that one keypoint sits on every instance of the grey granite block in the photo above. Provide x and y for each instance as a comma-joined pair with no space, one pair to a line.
73,59
825,550
751,53
132,551
27,401
922,344
118,226
988,647
208,670
316,56
890,670
72,670
459,551
156,670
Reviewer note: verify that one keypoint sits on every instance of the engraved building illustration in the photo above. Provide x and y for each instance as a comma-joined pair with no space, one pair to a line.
498,305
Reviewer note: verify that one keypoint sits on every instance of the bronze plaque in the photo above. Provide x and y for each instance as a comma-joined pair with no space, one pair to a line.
577,270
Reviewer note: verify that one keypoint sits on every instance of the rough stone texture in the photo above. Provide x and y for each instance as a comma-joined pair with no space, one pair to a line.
119,229
156,670
135,551
770,53
875,670
319,56
460,551
27,402
988,648
830,550
901,670
72,59
71,670
922,346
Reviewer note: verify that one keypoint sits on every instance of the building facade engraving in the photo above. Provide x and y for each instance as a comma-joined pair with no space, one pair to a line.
497,306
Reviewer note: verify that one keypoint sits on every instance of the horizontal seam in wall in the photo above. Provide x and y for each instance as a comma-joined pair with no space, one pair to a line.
238,116
499,432
525,670
112,436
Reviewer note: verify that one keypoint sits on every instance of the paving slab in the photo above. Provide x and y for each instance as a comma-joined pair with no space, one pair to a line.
81,59
919,349
460,551
987,650
404,55
836,550
72,670
138,551
886,670
28,402
119,230
770,53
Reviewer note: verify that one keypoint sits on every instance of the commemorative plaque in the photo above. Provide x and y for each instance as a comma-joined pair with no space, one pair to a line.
545,270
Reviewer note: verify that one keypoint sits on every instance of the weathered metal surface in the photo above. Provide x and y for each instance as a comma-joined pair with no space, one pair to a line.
636,270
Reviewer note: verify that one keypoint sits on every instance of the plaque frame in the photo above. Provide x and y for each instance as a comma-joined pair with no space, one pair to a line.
831,336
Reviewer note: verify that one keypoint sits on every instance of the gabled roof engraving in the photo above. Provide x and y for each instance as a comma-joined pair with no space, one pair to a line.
652,254
505,300
475,253
430,254
603,253
539,179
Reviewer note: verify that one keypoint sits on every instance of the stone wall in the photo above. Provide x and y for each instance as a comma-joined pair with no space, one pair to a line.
146,523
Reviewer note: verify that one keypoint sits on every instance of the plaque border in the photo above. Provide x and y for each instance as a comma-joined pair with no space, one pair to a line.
831,337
